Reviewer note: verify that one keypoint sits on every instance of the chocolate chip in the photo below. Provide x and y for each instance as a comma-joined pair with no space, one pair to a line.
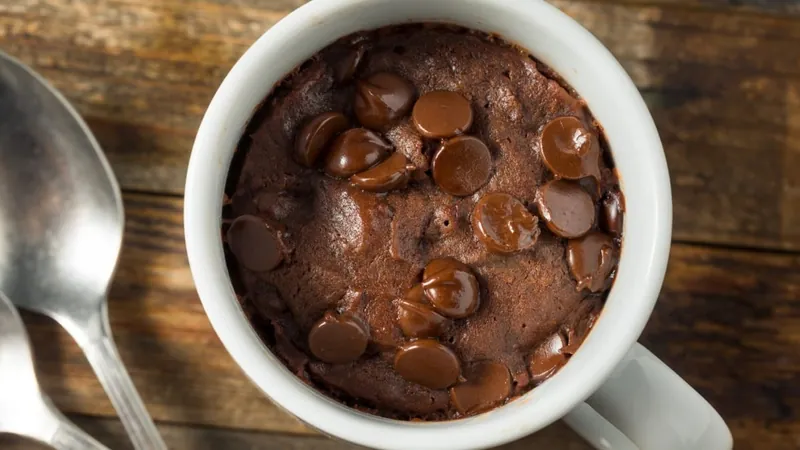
315,136
591,260
442,114
567,210
418,320
428,363
338,339
611,213
345,66
254,243
355,151
393,173
569,150
487,384
462,165
451,287
381,99
503,223
547,358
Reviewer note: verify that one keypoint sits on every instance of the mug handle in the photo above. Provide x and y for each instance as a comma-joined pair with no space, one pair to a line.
644,405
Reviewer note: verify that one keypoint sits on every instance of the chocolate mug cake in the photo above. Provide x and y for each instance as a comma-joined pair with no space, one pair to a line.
422,222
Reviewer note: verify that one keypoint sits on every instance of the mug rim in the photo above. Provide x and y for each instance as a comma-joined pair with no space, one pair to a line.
208,169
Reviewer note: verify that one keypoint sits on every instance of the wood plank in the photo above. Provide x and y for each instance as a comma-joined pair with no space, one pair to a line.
723,86
749,6
728,321
178,437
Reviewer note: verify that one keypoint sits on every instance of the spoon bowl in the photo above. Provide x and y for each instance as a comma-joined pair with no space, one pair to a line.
61,227
61,216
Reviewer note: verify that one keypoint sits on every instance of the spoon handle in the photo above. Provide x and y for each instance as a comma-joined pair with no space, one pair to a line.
107,364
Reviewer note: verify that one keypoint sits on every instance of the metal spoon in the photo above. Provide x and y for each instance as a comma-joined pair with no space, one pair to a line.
24,409
61,224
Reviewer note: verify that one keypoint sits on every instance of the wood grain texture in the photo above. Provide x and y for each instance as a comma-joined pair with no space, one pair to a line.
750,6
728,322
178,437
723,86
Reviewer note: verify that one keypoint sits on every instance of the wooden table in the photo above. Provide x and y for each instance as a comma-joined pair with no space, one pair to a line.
722,78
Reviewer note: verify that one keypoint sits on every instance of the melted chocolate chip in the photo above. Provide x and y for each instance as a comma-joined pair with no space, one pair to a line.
487,384
569,150
567,210
338,339
254,244
382,99
442,114
591,260
547,358
428,363
451,287
393,173
355,151
345,67
462,165
315,136
611,213
418,320
503,223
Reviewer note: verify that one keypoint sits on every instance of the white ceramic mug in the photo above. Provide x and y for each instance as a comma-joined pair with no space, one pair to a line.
632,400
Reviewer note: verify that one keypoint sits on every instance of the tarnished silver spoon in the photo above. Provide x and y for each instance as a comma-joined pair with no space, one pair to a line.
61,224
